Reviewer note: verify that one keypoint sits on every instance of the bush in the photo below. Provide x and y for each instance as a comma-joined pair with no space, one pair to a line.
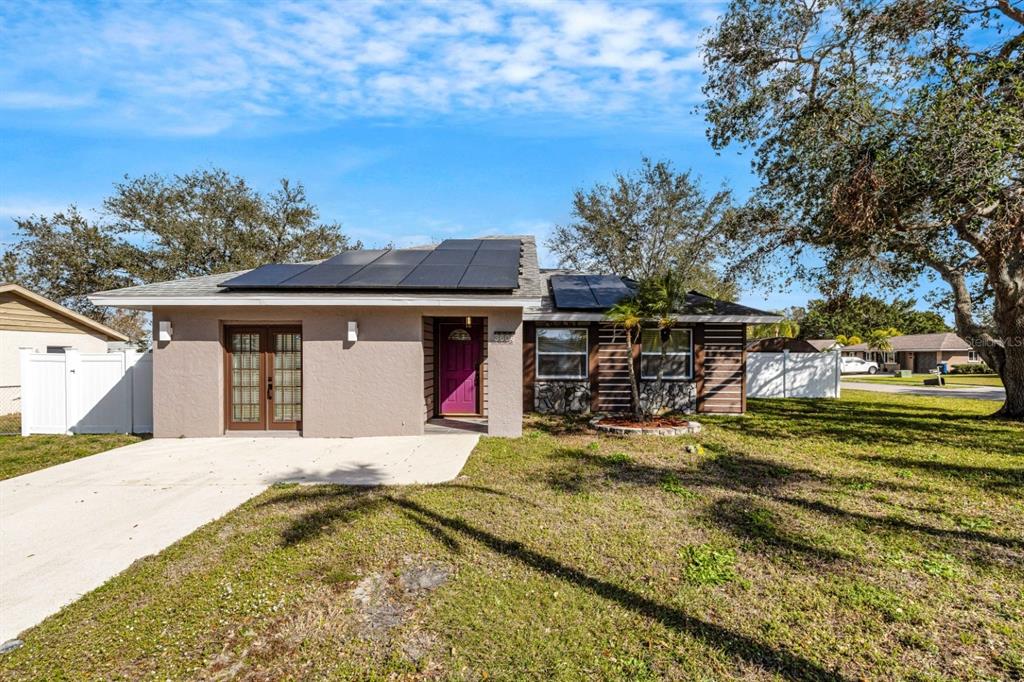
973,368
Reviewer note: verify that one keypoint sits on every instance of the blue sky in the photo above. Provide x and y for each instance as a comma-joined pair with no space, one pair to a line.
405,122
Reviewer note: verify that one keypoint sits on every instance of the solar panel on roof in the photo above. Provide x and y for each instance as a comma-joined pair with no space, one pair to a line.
427,276
453,264
374,275
572,291
322,275
403,257
470,244
266,275
449,257
357,257
489,277
607,289
500,245
500,258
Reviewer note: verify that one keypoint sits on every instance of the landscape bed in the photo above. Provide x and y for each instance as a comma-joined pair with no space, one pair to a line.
876,537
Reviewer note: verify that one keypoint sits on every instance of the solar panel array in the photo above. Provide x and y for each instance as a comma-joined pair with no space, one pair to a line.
453,264
588,292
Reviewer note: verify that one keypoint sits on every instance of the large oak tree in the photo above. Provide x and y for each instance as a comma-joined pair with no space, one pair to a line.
888,136
647,223
155,228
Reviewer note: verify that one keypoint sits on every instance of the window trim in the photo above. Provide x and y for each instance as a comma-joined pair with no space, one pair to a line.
674,377
973,356
552,377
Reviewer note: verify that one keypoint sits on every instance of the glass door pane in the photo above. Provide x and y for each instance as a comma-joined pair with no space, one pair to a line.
287,376
246,387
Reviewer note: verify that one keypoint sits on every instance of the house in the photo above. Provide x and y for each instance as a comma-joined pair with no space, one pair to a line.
778,344
28,320
824,345
380,342
920,352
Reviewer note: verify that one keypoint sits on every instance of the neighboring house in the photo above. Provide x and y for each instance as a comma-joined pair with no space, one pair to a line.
824,345
920,352
28,320
778,344
378,342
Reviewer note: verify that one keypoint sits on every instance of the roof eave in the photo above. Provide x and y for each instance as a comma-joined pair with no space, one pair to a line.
599,317
263,299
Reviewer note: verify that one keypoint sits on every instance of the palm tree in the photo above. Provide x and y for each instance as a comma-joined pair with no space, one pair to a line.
657,299
661,298
628,315
878,339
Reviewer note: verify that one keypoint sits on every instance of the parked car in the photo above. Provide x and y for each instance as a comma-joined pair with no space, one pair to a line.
852,365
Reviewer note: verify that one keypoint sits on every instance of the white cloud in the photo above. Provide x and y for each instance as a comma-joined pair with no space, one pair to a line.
199,68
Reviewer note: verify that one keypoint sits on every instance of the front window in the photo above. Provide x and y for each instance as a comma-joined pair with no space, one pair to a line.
674,362
561,353
972,356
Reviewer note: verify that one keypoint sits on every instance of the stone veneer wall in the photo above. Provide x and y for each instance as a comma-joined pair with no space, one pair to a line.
679,396
561,396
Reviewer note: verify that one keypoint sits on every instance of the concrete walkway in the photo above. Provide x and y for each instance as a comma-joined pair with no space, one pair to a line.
947,391
68,529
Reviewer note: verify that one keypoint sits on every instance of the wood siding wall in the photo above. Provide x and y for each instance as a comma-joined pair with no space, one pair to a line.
17,314
722,375
719,364
613,390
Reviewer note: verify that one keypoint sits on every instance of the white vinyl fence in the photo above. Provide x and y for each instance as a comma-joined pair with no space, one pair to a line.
793,375
74,392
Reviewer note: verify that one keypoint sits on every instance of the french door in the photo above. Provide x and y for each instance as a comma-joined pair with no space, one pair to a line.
263,378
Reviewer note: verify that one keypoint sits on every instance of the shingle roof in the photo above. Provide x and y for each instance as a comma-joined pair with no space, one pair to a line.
920,342
207,285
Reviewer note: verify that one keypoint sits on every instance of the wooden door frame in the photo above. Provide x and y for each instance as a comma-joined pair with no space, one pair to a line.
478,323
266,422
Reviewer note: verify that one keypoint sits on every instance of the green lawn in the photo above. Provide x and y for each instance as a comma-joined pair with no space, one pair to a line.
876,537
20,455
918,379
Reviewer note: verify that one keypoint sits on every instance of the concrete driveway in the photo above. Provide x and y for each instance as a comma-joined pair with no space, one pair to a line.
68,529
947,391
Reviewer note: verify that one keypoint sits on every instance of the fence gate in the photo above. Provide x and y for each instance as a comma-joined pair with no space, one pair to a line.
74,392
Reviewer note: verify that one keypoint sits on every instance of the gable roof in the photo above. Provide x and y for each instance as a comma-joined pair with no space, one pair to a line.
944,341
57,309
207,290
698,308
822,344
778,344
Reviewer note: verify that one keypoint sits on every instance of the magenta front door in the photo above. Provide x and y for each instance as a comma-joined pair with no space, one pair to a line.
459,368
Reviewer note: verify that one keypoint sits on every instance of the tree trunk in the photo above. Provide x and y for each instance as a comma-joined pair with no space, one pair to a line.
1012,374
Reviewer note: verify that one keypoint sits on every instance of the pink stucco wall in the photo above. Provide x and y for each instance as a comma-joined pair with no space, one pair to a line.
370,387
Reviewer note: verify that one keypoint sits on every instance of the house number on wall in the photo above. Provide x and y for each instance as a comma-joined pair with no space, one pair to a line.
503,337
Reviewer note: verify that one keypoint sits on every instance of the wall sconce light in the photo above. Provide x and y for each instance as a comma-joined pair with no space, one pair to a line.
165,330
469,321
353,330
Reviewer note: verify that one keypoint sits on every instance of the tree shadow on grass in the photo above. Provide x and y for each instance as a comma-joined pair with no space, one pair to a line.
763,478
348,504
1008,480
777,660
755,523
882,424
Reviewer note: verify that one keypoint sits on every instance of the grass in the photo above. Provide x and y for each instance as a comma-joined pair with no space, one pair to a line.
918,379
21,455
876,537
